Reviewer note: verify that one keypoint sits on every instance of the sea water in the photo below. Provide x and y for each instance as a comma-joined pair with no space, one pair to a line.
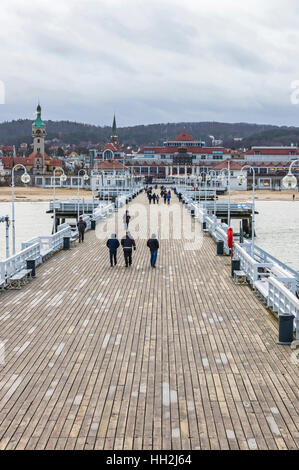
277,227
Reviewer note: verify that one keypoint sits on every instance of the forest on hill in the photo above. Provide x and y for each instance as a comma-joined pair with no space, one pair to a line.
18,131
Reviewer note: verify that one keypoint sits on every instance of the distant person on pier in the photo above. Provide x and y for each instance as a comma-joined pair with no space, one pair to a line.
165,197
81,225
127,218
294,197
153,245
157,198
168,197
128,244
150,198
154,197
113,245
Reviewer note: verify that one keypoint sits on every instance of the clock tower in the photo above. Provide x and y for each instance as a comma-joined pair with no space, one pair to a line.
39,134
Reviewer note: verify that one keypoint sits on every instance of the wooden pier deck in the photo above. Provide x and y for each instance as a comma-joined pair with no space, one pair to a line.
114,358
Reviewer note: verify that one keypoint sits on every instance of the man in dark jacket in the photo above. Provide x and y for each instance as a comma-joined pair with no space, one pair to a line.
153,245
113,245
128,243
81,229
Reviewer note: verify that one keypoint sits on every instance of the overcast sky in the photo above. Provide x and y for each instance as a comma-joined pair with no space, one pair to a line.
150,61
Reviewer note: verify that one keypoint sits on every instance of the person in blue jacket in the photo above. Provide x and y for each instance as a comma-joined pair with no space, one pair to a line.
113,245
153,245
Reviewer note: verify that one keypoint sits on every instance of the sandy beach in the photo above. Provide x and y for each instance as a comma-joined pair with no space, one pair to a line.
34,194
261,195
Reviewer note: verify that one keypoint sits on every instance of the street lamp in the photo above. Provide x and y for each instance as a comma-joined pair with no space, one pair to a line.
290,180
211,176
221,178
25,178
63,179
85,178
241,180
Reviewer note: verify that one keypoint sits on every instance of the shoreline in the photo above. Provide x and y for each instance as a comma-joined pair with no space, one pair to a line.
35,194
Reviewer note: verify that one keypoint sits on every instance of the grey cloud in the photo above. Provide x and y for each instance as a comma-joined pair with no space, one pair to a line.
150,61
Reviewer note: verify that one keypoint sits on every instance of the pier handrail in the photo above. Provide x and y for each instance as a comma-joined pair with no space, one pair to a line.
283,301
51,242
253,269
17,262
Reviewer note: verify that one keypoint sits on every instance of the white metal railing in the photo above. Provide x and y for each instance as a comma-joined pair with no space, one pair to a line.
103,211
283,281
51,242
17,262
283,301
253,269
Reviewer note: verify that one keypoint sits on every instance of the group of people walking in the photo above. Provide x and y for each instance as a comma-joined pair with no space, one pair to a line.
127,242
152,196
128,245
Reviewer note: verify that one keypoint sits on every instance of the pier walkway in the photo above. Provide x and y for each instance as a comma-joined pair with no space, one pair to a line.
173,358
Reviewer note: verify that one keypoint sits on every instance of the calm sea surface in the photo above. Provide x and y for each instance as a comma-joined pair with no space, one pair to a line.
277,227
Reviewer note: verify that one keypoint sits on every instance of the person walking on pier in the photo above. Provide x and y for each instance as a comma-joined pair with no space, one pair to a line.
127,218
168,197
153,245
128,244
165,197
113,245
81,229
154,198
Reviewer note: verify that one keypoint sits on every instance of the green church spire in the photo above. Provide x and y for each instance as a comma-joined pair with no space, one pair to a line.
38,121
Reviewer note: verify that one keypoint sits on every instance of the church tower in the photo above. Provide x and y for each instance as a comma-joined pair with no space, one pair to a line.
39,134
114,136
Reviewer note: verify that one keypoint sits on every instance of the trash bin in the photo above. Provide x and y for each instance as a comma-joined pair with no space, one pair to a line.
220,246
286,329
92,225
236,265
192,212
31,265
204,226
66,243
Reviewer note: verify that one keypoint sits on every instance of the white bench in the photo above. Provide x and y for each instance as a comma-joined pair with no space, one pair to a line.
240,277
19,279
261,288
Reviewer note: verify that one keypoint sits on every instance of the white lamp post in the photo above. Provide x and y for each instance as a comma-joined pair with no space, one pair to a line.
25,178
85,178
241,179
221,178
290,180
211,176
63,178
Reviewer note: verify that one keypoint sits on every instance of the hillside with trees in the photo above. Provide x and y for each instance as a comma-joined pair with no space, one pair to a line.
67,132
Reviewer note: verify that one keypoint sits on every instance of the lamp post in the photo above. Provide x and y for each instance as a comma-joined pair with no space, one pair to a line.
241,179
63,178
25,178
211,176
290,180
85,178
221,178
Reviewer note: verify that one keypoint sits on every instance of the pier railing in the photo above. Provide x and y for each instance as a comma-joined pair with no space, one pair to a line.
10,266
281,281
50,243
282,301
40,248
